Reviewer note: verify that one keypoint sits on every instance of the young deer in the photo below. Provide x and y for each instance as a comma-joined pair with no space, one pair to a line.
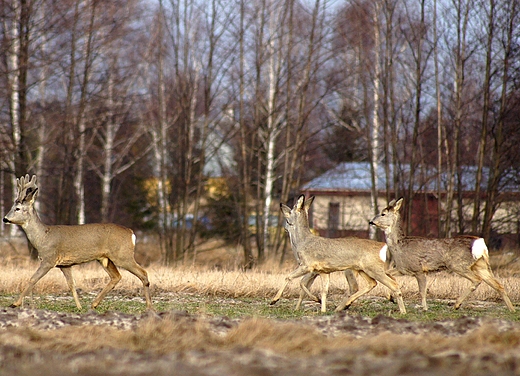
308,279
323,256
465,255
65,246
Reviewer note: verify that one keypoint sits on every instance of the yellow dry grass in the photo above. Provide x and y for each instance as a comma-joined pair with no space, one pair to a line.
207,277
230,283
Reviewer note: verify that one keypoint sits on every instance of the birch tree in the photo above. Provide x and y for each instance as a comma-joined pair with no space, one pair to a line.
374,146
12,34
159,134
460,57
485,116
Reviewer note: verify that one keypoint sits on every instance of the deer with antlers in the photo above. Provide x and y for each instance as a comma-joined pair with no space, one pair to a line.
323,256
64,246
466,256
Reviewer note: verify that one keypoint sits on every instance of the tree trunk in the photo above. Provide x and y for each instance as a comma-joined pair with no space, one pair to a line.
497,167
374,151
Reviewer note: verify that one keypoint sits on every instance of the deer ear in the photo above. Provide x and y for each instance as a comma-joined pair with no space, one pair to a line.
398,204
285,210
300,202
30,195
308,203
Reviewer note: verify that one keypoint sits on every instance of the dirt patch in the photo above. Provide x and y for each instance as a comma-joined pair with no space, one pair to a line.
34,342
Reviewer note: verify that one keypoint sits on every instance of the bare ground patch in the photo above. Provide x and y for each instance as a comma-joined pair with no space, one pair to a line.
34,342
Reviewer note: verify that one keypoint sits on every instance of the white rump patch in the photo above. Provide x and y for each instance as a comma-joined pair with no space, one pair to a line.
479,249
382,253
133,239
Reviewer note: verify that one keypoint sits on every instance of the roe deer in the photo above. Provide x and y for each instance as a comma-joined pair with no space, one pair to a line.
65,246
323,256
466,256
308,279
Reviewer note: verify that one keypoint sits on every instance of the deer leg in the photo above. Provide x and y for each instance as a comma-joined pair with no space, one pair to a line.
421,282
388,293
392,284
140,273
349,275
475,282
115,277
352,281
305,284
40,272
300,271
67,272
487,276
325,283
306,288
346,302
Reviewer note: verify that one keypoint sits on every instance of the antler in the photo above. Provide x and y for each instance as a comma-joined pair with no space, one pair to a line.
26,187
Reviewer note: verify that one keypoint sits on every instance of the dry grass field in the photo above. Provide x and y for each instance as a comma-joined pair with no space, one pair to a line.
214,319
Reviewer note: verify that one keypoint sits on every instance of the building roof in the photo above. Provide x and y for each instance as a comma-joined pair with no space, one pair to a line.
350,176
356,177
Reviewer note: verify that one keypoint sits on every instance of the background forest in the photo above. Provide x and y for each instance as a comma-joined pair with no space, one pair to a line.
196,118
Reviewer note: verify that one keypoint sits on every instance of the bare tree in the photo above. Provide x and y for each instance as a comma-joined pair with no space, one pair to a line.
416,35
499,166
485,115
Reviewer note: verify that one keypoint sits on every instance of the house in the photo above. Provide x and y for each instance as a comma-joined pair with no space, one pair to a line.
342,205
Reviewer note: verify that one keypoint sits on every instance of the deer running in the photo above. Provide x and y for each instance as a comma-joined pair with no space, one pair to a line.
65,246
308,279
466,256
323,256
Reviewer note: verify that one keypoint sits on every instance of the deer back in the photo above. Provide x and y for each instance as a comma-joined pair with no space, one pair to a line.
324,254
77,244
342,253
414,254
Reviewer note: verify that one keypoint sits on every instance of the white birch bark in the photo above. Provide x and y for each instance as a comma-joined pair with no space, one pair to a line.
14,98
375,121
78,183
108,150
272,131
159,139
78,178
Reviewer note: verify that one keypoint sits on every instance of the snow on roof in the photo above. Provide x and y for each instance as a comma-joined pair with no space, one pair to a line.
356,177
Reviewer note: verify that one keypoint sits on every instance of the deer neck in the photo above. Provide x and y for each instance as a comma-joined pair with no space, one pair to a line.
301,232
394,234
35,229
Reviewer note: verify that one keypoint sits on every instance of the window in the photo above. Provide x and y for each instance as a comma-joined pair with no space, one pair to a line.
333,216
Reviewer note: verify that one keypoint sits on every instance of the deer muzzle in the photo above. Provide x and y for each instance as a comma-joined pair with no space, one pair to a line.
6,220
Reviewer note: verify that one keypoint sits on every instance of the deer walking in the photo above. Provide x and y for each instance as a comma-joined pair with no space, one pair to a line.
65,246
323,256
466,256
308,279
